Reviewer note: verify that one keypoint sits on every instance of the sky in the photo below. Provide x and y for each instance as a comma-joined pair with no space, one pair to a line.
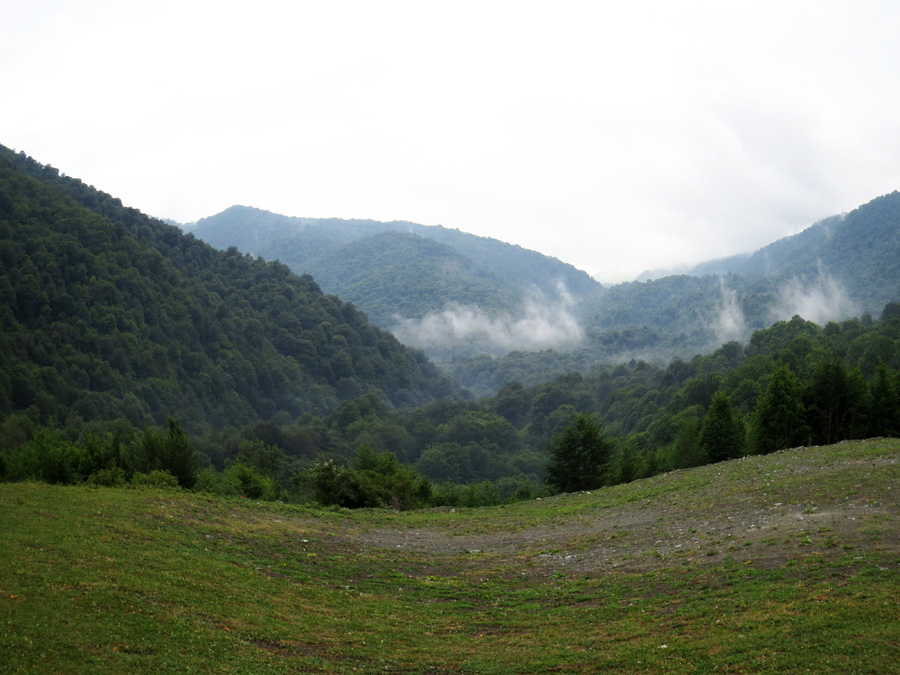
615,136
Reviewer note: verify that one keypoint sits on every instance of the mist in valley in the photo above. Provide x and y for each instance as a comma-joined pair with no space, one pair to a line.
541,322
821,300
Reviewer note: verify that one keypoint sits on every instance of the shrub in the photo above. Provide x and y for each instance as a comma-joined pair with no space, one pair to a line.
155,479
112,477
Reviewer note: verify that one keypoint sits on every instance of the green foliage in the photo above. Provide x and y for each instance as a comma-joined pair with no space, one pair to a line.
374,479
46,457
155,479
171,451
470,495
722,432
248,482
885,401
107,313
779,421
112,477
580,456
831,398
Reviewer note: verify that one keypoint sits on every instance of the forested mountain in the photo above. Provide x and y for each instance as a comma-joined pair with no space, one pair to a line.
113,321
461,297
841,267
107,313
396,269
861,250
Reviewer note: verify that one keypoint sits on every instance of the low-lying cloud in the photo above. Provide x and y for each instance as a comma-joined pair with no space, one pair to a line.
823,300
541,323
730,323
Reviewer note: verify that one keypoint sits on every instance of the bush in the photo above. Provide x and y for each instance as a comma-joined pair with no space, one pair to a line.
374,479
46,457
113,477
155,479
252,484
213,482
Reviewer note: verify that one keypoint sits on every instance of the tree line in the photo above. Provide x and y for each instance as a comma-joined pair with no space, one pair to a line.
793,384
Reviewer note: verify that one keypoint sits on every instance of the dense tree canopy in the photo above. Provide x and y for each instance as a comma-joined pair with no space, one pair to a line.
108,314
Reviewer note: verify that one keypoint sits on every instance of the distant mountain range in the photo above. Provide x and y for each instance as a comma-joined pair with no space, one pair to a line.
133,314
396,269
457,295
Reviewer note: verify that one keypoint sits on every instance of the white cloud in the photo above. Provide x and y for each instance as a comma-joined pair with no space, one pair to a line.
824,299
730,324
541,323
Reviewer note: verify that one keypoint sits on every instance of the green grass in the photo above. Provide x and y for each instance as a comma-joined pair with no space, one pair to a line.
784,563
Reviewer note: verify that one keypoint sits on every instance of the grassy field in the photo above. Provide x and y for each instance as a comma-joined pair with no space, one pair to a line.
783,563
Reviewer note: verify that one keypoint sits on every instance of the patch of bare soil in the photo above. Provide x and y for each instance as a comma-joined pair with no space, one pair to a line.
768,516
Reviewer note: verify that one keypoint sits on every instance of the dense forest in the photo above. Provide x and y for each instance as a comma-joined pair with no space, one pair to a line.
486,299
396,268
107,314
133,353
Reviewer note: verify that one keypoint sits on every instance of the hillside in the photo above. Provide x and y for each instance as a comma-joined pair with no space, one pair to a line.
778,564
428,268
109,314
459,297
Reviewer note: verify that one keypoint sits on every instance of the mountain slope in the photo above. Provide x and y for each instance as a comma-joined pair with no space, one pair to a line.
861,250
107,313
483,272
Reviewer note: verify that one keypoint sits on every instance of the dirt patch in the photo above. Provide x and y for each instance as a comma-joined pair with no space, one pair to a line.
776,516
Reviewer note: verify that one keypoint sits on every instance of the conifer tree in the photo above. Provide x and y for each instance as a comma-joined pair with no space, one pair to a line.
722,433
780,414
580,455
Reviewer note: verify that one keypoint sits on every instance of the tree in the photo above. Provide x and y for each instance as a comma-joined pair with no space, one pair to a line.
779,419
580,455
829,402
171,451
722,432
885,404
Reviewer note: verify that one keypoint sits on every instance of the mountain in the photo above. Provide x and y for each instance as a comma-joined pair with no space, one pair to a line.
460,297
107,313
397,270
841,267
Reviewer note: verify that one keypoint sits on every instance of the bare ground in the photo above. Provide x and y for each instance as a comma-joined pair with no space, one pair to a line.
776,509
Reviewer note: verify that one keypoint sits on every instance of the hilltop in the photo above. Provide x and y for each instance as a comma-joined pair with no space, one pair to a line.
773,564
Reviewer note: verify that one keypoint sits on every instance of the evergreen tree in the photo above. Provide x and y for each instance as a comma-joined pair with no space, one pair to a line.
885,404
722,433
829,403
780,414
580,455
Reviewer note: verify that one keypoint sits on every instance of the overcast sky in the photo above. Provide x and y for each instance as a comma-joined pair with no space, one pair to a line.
616,136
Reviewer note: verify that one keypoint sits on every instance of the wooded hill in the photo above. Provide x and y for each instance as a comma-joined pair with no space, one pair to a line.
841,267
107,313
396,268
113,321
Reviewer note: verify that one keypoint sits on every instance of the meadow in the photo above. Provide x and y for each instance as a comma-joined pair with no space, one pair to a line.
788,562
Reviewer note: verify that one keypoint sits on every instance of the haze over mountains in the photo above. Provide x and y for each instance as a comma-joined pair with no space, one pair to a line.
436,288
457,295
